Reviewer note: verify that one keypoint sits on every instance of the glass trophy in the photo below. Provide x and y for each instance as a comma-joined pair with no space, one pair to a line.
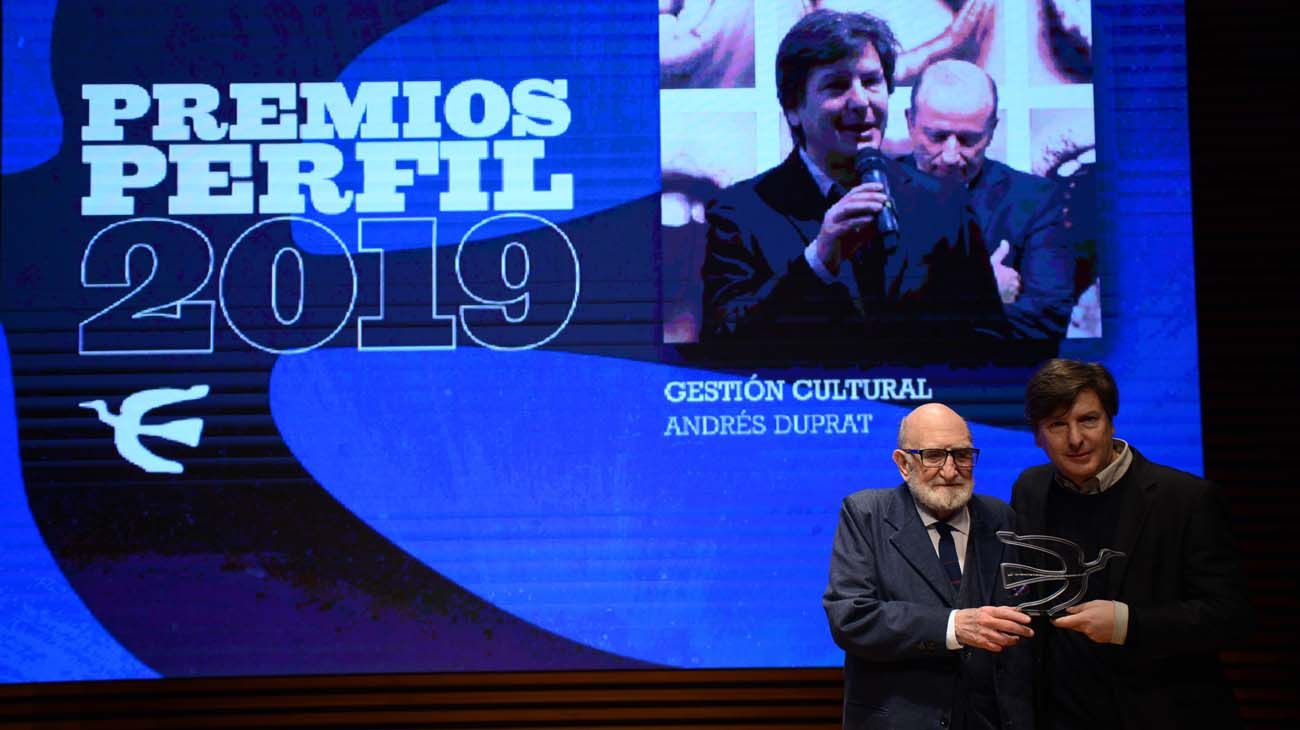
1061,579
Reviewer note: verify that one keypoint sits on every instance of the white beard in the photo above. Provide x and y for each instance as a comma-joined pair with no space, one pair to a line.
940,501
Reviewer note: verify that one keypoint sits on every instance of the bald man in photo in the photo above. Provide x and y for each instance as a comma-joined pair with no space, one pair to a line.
951,121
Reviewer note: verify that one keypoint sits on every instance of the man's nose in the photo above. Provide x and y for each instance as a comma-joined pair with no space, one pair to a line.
1075,435
949,468
858,95
951,153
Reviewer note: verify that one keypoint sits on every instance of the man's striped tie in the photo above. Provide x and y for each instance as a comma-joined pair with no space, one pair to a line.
948,555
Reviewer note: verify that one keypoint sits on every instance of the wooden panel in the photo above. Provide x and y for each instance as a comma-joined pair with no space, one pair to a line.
800,698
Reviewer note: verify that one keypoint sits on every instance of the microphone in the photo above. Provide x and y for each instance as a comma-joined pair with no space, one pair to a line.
870,166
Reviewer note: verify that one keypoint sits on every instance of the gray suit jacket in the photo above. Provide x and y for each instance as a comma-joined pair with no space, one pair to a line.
888,602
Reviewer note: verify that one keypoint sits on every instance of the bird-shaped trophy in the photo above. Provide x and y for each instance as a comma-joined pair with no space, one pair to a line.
1072,575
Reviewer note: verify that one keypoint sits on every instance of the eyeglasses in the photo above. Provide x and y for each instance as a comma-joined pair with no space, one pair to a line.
935,458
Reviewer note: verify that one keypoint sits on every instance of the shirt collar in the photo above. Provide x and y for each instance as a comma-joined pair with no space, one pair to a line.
959,522
824,182
1108,476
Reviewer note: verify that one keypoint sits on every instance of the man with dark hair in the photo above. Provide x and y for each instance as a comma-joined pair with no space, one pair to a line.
914,588
796,256
1139,651
951,121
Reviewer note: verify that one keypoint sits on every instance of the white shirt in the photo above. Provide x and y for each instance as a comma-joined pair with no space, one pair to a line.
960,524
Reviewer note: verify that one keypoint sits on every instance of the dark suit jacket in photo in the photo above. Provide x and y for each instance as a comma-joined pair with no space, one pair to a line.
931,283
888,602
1184,587
1026,211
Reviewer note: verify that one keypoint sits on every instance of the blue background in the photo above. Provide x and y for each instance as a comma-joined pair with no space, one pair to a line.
531,499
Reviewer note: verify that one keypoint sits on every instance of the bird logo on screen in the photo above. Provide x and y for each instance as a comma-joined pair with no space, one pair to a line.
128,426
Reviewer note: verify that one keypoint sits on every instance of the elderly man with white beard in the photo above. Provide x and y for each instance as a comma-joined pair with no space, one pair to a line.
914,591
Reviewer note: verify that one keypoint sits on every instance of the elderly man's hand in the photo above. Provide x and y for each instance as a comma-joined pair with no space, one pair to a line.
991,627
1094,619
1007,277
